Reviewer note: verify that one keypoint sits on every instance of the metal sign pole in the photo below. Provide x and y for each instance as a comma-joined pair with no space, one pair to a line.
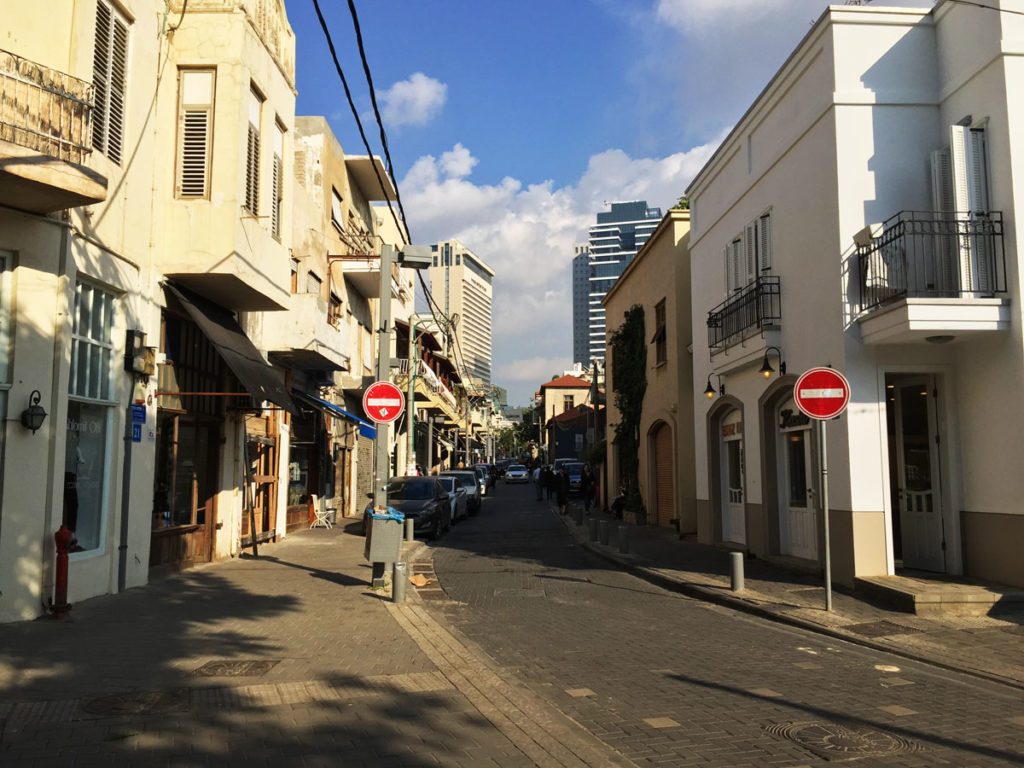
824,504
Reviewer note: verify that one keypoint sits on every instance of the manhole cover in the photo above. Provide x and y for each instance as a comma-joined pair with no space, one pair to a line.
835,741
880,629
242,668
138,703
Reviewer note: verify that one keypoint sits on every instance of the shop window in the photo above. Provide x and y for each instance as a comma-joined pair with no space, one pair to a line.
87,442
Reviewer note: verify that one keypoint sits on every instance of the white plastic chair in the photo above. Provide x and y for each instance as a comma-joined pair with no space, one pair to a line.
320,512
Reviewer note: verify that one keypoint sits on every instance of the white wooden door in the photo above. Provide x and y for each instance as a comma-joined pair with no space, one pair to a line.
920,501
733,517
798,534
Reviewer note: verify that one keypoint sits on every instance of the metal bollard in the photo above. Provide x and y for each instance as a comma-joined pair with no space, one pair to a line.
736,566
623,539
592,528
408,529
602,528
62,539
398,582
577,515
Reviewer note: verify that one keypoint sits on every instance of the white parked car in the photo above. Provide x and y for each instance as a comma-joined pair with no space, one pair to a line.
457,496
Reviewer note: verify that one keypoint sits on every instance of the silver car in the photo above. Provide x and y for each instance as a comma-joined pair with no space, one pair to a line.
457,496
517,473
468,479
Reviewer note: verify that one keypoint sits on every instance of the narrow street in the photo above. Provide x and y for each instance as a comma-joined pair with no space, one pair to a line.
667,680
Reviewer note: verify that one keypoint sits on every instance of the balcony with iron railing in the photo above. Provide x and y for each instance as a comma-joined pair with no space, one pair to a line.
430,385
756,307
929,275
45,138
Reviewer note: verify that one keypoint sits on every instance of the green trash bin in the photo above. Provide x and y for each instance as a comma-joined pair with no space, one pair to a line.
384,536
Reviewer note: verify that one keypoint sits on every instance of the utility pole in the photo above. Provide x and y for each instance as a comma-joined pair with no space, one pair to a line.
382,468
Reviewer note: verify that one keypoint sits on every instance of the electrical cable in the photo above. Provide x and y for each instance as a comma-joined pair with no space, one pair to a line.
402,232
376,110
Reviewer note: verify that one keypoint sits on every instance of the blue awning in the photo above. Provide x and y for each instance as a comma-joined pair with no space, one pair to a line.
366,429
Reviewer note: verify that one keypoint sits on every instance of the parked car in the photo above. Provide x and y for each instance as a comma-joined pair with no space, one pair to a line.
490,474
457,495
575,472
421,499
471,483
560,462
517,473
481,476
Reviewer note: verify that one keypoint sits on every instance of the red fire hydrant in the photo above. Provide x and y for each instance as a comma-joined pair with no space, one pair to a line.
60,606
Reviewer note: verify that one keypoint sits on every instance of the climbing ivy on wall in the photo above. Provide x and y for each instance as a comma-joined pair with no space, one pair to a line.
629,382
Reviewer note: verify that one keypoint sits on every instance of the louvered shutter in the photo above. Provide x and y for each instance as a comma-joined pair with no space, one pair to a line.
764,242
749,254
252,155
195,132
970,192
275,203
946,246
110,71
727,265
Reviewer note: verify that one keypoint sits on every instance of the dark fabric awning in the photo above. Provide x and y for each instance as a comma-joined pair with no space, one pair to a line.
258,377
366,429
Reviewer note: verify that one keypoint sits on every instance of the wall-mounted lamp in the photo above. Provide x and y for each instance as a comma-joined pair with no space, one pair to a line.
709,391
33,416
766,366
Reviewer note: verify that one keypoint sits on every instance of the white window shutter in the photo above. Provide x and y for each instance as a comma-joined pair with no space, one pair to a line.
749,254
958,149
977,177
942,181
764,242
727,263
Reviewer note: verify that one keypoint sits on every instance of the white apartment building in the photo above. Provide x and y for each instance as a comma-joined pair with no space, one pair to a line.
462,284
862,215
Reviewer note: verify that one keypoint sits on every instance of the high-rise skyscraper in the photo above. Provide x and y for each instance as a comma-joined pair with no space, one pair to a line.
613,242
462,284
581,303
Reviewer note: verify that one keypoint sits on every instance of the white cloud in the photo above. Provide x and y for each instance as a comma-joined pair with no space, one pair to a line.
697,15
526,234
415,101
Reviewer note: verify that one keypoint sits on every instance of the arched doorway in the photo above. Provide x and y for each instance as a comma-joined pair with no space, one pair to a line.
662,464
732,474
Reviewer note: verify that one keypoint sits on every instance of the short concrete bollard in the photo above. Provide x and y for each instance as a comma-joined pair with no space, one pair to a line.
623,539
592,528
577,515
399,578
603,527
736,567
408,529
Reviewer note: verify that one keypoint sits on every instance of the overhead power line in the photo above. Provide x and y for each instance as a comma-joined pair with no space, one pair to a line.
402,232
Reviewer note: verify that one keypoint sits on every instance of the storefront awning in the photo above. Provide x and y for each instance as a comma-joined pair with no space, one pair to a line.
366,429
258,377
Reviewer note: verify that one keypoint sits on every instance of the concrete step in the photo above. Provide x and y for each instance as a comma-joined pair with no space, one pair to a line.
937,595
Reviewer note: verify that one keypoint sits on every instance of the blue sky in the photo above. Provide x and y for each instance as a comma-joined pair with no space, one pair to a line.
511,123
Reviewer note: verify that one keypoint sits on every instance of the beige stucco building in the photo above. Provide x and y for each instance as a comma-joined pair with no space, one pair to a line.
658,280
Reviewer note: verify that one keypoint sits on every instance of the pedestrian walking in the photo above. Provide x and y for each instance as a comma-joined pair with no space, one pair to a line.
587,486
537,482
562,489
548,477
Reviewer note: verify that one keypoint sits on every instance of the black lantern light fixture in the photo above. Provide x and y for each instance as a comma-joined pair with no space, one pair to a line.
709,391
33,416
766,366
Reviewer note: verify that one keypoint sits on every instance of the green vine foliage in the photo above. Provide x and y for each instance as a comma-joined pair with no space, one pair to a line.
629,380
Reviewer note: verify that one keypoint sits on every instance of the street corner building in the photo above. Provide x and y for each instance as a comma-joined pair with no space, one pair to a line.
861,215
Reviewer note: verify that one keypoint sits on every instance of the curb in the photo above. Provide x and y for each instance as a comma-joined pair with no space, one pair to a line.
746,606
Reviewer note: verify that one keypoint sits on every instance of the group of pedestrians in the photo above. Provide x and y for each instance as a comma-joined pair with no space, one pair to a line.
552,482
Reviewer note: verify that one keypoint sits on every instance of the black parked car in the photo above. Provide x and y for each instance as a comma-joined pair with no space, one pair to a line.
422,499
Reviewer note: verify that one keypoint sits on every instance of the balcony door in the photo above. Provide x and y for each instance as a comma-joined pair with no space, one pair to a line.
918,533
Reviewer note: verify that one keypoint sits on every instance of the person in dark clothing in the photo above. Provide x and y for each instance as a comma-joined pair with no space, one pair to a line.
562,489
548,478
587,486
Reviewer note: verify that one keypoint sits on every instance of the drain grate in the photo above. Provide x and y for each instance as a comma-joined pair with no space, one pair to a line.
880,629
837,741
240,668
137,703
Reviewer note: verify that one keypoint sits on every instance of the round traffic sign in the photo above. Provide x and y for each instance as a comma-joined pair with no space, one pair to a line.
383,402
822,393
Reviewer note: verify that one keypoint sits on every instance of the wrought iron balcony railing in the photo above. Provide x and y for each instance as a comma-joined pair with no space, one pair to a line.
44,110
754,307
921,254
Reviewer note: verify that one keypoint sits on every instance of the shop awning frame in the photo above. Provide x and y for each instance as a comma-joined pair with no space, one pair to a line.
260,379
366,429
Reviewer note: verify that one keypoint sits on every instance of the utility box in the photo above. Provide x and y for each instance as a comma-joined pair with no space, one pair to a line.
384,536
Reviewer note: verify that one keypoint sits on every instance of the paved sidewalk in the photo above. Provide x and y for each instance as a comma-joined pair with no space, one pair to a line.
291,659
991,646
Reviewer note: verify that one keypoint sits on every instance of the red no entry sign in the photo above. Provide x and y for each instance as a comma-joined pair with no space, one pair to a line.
383,402
822,393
